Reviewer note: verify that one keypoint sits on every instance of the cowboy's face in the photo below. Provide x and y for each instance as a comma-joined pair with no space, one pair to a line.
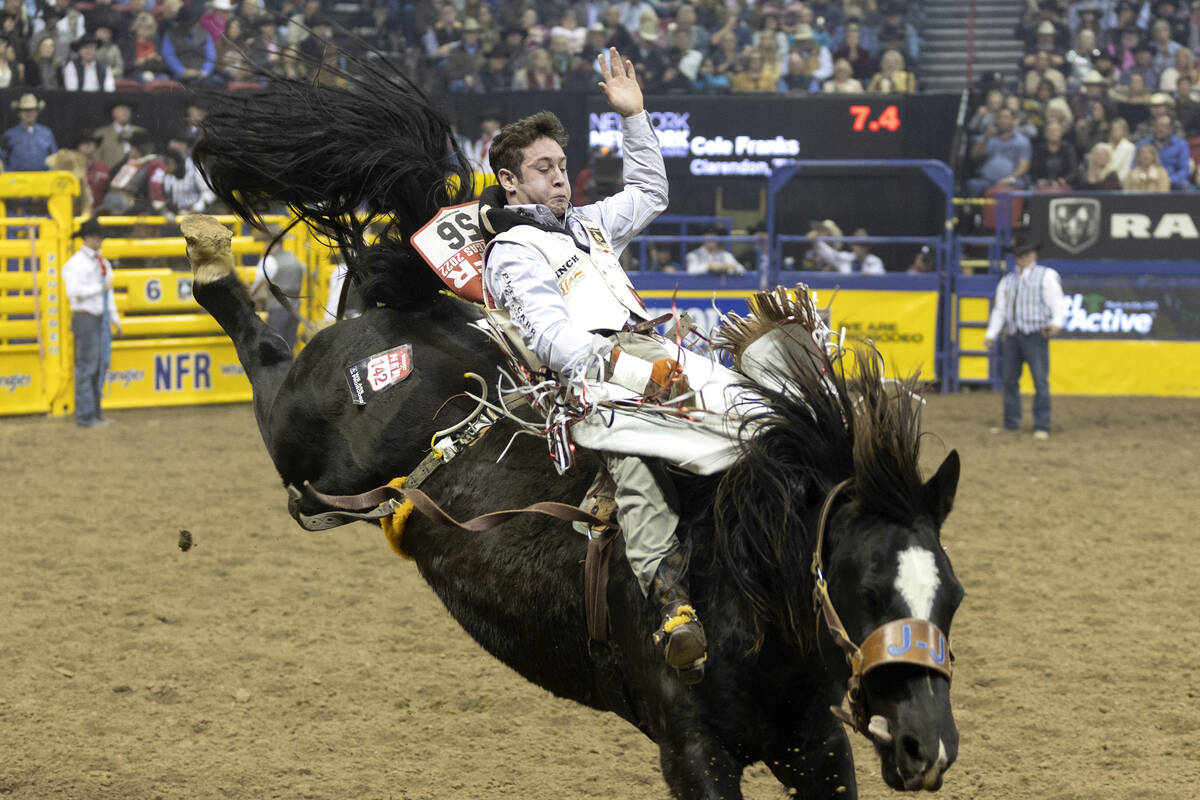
543,179
120,114
28,115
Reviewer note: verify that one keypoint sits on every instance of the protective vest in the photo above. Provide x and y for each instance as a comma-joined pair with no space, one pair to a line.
597,292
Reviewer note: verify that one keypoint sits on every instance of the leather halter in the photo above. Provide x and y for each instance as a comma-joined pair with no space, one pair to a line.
902,641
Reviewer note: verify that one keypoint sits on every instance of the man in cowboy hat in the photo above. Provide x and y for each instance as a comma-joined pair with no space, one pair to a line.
88,281
1028,310
114,138
84,73
27,144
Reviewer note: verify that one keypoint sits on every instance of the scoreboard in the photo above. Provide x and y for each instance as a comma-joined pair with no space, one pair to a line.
751,135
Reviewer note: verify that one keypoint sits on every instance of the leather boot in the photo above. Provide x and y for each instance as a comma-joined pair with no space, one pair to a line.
681,634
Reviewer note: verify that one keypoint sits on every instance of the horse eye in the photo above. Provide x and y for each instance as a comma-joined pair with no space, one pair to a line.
872,599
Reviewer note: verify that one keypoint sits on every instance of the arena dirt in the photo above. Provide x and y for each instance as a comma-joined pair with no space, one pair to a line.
268,662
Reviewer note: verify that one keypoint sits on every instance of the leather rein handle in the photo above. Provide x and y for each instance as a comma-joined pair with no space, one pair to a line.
430,509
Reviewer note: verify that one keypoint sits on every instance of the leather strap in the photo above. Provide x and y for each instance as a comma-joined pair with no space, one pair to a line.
595,583
430,509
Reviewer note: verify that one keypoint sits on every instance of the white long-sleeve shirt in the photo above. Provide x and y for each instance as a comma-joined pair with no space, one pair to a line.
83,279
521,280
843,260
1027,301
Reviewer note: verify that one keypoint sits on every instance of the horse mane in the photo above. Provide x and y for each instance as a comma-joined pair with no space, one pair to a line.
832,424
343,150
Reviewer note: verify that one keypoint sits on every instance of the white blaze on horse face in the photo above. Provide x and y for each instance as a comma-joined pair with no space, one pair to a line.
917,581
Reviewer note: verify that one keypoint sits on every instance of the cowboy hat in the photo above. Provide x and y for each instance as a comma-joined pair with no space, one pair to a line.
1093,77
28,103
90,227
84,41
471,24
220,5
1023,243
1161,99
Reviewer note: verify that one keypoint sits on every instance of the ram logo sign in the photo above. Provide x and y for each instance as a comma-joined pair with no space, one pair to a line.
1074,223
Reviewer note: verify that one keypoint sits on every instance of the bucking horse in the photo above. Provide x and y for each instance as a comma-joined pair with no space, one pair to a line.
815,559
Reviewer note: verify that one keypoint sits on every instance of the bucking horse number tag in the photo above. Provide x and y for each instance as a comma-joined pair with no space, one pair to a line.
376,373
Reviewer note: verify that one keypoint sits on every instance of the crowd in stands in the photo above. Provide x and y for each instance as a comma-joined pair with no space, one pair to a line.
1107,99
475,46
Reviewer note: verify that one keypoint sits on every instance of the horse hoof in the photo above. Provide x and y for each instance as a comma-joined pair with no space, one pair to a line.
208,248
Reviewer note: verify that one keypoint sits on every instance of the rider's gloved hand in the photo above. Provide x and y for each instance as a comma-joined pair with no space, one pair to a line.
660,380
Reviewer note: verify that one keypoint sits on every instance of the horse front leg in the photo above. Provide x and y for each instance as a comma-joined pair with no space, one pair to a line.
815,766
215,284
696,767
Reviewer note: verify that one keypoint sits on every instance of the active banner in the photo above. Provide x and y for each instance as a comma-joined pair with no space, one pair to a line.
1120,227
1132,312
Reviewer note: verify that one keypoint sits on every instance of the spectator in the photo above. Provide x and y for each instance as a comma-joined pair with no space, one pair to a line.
465,59
1123,149
84,73
924,261
985,115
265,50
1045,41
1094,90
189,52
852,50
1134,91
1160,104
96,170
443,34
769,31
534,33
645,53
42,70
897,33
843,80
216,19
1164,47
1178,17
536,76
685,20
859,259
1147,174
1028,310
711,258
140,50
10,68
1124,48
489,125
114,137
1093,128
285,270
1054,160
102,14
631,13
1106,66
817,60
1184,66
709,81
892,77
757,257
1173,153
1142,65
1006,156
684,55
1187,108
88,282
1043,71
569,28
818,228
496,74
1078,60
107,51
27,144
137,182
1098,172
757,76
616,34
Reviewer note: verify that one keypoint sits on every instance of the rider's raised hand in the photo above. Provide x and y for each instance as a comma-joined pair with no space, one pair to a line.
620,85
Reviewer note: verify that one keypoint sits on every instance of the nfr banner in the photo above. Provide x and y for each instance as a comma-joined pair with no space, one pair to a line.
1121,227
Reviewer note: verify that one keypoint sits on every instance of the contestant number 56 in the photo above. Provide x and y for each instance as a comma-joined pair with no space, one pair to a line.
888,119
458,229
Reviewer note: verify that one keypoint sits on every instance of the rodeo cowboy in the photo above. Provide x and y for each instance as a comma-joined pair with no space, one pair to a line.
551,268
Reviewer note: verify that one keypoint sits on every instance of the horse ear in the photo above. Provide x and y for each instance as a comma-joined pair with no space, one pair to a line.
940,489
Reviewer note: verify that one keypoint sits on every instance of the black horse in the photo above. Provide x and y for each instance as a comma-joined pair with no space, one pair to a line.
823,468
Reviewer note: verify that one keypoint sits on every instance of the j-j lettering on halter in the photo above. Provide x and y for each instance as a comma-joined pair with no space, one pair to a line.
901,641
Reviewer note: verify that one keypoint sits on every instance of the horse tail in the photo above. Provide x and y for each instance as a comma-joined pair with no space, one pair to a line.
352,146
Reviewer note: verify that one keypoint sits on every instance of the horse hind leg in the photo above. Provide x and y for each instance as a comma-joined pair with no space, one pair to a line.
263,353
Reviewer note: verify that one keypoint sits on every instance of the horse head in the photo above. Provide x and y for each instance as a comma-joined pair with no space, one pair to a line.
895,593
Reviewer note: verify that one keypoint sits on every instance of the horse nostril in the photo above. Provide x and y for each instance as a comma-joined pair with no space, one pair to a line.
911,748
